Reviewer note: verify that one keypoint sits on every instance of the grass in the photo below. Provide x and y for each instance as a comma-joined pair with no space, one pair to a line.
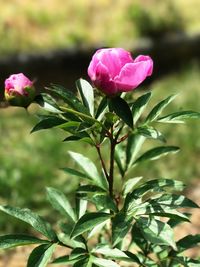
28,25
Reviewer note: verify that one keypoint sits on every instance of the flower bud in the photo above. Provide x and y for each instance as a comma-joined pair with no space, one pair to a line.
19,90
113,70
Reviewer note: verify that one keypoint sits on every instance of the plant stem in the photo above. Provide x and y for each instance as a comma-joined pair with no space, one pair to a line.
102,162
112,158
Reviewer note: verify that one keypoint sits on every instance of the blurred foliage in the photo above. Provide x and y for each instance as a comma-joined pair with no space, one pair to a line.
184,166
166,20
27,25
28,163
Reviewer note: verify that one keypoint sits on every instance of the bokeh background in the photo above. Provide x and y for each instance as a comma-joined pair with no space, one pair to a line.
52,41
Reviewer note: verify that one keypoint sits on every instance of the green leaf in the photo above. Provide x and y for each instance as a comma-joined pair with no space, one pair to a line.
101,108
156,186
31,218
174,201
137,237
66,259
129,185
77,252
76,173
134,144
150,132
156,232
121,108
69,98
77,256
88,222
87,94
72,243
147,262
47,102
121,224
102,200
148,208
81,206
85,262
115,253
90,189
89,169
87,140
185,262
156,153
102,262
41,256
97,229
139,106
157,110
60,203
188,242
120,158
179,117
69,126
11,241
64,236
48,123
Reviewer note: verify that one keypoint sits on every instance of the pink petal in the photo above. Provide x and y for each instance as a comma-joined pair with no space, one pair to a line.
133,74
148,60
103,81
113,58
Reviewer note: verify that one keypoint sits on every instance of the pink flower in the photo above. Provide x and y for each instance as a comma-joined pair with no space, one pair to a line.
19,90
113,70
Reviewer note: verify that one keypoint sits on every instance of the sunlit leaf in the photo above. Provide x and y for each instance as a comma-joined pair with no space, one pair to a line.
10,241
179,117
88,222
31,218
156,153
87,94
129,185
69,98
139,106
102,262
89,169
121,224
60,203
48,123
157,110
150,132
156,232
41,256
134,144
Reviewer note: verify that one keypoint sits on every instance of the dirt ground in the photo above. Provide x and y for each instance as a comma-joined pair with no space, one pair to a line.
18,257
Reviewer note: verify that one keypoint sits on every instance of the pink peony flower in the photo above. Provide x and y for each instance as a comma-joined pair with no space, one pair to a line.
19,90
113,70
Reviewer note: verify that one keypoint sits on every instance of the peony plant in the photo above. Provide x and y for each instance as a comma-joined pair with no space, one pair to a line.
116,219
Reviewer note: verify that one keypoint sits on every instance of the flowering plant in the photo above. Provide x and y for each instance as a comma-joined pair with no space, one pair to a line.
116,219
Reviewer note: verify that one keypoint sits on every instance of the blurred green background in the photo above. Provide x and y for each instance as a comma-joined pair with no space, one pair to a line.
28,25
28,163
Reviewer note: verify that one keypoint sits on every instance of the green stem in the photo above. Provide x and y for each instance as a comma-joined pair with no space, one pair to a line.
112,160
82,115
102,162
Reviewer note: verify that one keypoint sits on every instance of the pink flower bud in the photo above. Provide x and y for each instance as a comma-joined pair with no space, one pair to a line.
113,70
19,90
